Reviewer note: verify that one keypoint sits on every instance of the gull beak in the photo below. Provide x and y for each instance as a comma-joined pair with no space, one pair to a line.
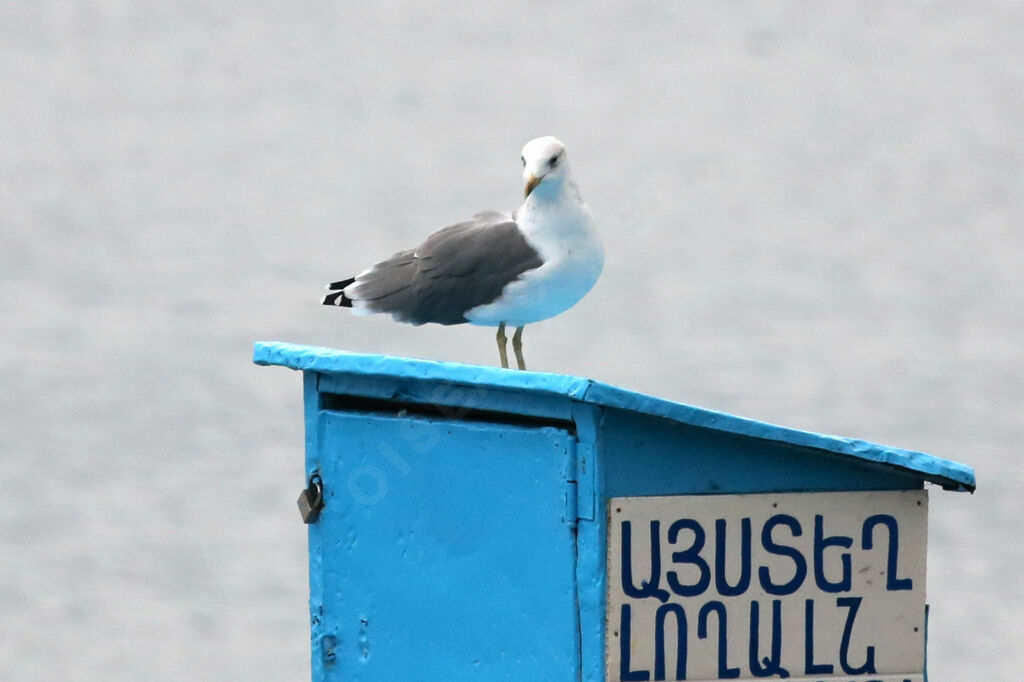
531,183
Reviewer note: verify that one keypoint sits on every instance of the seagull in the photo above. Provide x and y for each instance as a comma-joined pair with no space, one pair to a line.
495,269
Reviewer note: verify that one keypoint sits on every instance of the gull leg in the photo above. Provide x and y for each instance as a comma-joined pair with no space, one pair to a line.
502,340
517,347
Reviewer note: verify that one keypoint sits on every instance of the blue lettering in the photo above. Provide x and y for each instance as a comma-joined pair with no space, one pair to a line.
688,556
821,543
724,588
892,583
772,664
647,588
659,641
810,667
770,546
724,671
853,603
625,674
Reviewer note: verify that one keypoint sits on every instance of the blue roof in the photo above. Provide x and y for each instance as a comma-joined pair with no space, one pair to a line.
947,473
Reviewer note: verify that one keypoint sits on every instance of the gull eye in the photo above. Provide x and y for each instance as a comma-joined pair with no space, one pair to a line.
523,159
553,161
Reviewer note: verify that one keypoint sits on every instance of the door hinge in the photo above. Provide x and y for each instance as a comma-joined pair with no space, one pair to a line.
571,504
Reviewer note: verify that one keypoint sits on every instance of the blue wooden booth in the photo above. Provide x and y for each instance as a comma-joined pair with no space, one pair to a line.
474,523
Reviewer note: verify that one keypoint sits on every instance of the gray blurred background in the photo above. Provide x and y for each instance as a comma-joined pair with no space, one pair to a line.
814,215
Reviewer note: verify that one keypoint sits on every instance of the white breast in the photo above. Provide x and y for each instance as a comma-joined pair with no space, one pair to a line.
563,234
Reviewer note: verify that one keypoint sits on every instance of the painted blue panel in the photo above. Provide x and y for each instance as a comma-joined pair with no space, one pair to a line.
949,474
646,455
535,384
342,362
590,541
311,400
464,397
446,554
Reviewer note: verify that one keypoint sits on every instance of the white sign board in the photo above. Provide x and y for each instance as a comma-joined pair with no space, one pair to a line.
806,586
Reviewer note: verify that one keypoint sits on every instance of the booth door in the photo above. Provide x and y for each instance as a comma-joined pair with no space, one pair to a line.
445,551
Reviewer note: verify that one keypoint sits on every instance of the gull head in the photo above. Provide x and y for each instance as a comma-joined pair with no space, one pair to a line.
544,161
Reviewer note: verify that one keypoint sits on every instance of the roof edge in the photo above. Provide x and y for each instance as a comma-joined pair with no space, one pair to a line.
947,473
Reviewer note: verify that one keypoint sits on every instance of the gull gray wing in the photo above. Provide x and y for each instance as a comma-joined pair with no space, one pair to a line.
455,270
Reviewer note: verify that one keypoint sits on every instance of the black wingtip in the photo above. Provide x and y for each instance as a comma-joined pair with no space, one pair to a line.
341,284
338,298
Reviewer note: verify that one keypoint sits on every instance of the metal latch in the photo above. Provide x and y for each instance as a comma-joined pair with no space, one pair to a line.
311,500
